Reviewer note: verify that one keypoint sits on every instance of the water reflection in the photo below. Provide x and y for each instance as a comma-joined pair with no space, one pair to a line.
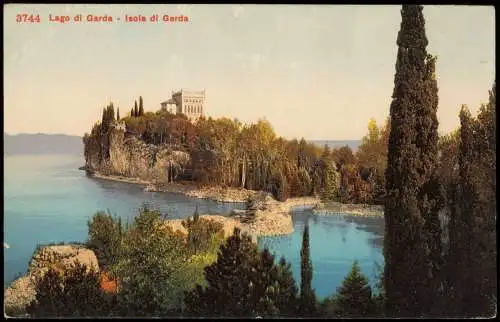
336,241
176,205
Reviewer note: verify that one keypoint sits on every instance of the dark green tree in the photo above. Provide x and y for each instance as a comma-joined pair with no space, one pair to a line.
431,194
307,294
243,282
104,238
75,292
286,299
354,296
229,281
132,113
110,111
136,109
118,114
141,107
472,268
104,120
412,191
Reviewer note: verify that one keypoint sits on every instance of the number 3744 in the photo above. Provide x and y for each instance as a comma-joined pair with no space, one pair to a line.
29,18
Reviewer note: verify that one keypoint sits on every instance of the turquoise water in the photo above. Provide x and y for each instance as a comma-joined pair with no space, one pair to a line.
336,241
47,199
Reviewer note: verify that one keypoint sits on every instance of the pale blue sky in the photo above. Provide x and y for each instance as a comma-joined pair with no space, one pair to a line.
314,71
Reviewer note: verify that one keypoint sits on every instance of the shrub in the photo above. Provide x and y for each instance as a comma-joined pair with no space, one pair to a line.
105,234
150,268
204,235
75,292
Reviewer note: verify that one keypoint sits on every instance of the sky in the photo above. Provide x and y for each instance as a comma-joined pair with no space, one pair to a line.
313,71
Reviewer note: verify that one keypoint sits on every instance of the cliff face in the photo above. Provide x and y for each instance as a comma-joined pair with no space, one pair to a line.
114,153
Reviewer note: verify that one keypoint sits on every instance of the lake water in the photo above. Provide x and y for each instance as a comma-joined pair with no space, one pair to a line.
47,199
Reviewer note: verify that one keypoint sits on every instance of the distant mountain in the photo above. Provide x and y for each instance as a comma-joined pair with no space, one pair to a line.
42,144
353,144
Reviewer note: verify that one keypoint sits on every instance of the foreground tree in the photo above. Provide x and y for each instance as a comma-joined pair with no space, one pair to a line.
104,238
150,267
75,292
243,282
354,296
472,268
412,229
285,289
307,296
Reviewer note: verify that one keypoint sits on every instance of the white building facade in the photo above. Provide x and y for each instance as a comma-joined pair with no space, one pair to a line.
189,103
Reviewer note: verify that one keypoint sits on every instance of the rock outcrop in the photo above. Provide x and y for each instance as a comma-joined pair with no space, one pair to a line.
230,195
22,291
350,209
115,153
228,224
264,216
62,257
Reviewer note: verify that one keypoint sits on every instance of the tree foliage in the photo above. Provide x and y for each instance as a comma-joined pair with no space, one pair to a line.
74,292
227,153
204,235
412,239
354,296
151,261
307,295
243,282
141,107
472,262
105,237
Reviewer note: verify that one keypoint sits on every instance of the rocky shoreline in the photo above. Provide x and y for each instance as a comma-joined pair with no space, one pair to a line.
218,194
337,208
265,216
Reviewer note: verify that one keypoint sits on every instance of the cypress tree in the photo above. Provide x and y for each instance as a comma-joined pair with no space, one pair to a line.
136,109
132,112
412,197
431,195
307,295
111,112
472,261
104,116
118,114
141,107
461,216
